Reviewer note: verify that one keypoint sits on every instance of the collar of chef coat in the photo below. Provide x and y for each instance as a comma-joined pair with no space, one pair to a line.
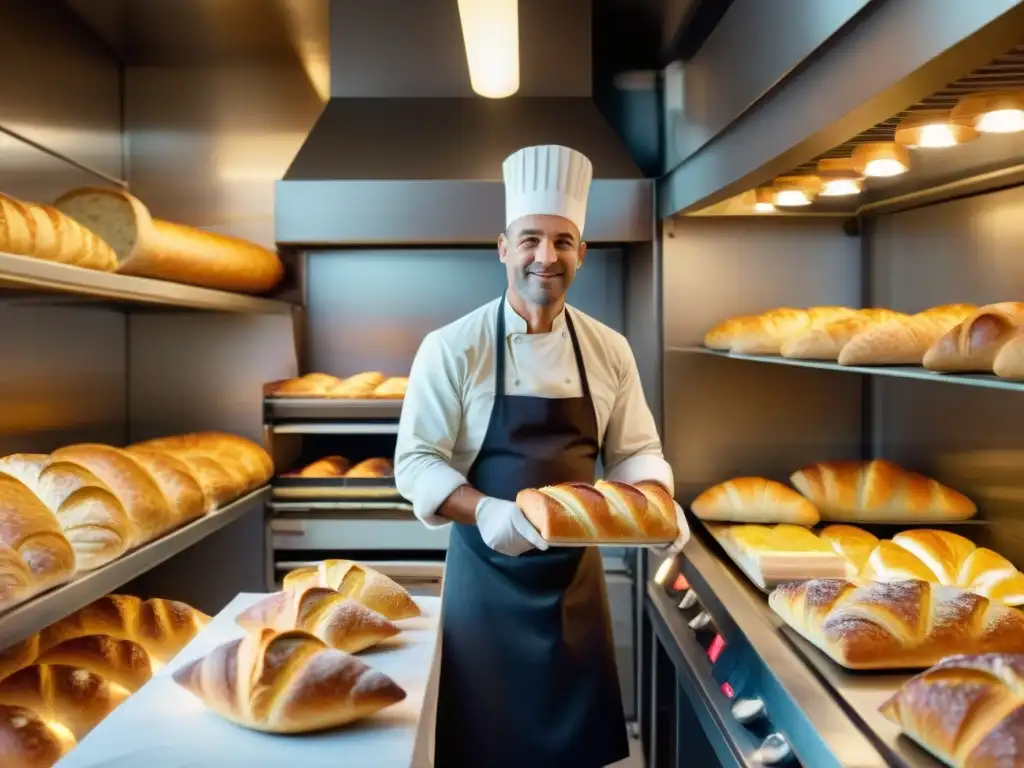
514,324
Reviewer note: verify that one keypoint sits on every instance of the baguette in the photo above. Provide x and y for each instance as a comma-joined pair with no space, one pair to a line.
878,491
27,741
120,661
43,232
896,624
356,582
967,710
578,513
34,554
827,341
90,516
764,334
754,500
903,340
247,461
1009,361
148,247
290,682
972,346
340,622
310,385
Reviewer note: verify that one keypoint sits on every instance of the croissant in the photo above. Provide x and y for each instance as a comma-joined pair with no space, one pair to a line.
27,741
974,344
754,500
341,623
967,710
903,340
290,682
827,341
356,582
607,511
878,491
896,624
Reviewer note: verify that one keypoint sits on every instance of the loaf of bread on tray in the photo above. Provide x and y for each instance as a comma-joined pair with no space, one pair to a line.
827,341
288,682
43,232
148,247
29,741
34,553
967,710
340,622
764,334
578,513
896,624
754,500
339,466
392,388
122,662
903,340
370,385
372,468
853,543
878,491
359,387
972,346
1009,361
358,582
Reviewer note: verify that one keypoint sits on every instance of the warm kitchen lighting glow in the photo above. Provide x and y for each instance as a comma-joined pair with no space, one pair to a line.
662,574
763,200
881,158
933,130
839,177
994,111
490,30
794,191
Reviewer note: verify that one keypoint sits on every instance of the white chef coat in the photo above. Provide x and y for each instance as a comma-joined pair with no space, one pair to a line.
450,396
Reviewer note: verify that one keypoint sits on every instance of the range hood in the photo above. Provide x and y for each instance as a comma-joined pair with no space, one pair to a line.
403,152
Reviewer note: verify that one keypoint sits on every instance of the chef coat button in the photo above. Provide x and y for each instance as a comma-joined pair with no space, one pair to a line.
518,339
568,381
564,334
516,382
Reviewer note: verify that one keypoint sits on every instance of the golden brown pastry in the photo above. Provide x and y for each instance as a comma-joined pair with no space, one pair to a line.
310,385
967,710
18,656
357,582
119,661
43,232
827,341
904,340
878,491
329,466
765,334
340,622
972,346
378,467
290,682
754,500
248,463
392,389
360,386
853,543
1009,361
27,741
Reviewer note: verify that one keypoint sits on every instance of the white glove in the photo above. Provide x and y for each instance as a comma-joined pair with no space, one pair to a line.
505,529
673,549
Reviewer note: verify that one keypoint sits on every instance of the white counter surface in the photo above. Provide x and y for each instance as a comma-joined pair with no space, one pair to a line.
164,726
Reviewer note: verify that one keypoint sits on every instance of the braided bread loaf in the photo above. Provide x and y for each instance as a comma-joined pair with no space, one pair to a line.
290,682
28,741
896,624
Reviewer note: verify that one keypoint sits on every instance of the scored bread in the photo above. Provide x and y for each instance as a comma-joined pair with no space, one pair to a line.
120,661
878,490
827,341
903,340
248,462
393,388
377,467
358,582
973,345
754,500
362,385
43,232
854,544
28,741
288,682
765,334
1009,361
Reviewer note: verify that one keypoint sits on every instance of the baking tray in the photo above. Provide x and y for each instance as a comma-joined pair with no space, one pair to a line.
330,488
612,543
278,408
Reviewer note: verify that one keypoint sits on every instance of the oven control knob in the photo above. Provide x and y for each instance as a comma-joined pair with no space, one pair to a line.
701,621
774,750
747,711
689,600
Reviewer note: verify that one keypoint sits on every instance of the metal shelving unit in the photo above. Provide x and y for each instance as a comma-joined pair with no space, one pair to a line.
318,408
41,611
337,428
35,275
896,371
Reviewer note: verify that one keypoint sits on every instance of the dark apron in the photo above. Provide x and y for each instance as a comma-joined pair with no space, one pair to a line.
528,676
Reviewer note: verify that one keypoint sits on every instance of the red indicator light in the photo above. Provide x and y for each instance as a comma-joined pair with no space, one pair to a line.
727,690
716,648
680,583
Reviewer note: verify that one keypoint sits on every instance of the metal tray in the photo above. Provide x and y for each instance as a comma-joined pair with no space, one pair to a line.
322,408
612,543
326,488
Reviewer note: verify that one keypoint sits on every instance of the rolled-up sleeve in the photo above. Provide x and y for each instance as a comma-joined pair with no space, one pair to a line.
431,416
632,449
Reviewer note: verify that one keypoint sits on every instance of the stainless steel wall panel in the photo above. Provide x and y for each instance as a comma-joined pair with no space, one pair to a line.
370,309
643,318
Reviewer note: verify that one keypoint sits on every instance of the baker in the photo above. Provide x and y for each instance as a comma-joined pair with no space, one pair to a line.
524,392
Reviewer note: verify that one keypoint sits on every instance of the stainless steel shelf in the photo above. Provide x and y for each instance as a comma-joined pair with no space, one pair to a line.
324,409
24,273
337,428
41,611
896,371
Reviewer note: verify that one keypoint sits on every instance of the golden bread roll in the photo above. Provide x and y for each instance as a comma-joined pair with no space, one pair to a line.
289,682
43,232
392,389
661,501
852,543
896,624
328,466
357,582
248,462
378,467
754,500
310,385
967,710
340,622
903,340
28,741
878,491
1009,361
18,656
827,341
181,489
120,661
972,345
360,386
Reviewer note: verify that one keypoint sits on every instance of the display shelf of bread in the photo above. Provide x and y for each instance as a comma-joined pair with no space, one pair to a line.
369,385
770,555
335,477
981,345
59,684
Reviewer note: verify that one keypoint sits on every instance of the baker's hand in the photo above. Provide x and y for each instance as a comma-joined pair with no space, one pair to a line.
505,529
673,549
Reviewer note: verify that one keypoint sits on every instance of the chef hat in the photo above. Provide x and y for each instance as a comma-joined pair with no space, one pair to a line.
548,179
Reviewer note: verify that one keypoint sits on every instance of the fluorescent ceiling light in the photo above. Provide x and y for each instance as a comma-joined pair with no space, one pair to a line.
490,30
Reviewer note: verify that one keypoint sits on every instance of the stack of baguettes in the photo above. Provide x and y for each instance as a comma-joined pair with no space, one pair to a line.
872,336
84,505
371,385
60,683
294,670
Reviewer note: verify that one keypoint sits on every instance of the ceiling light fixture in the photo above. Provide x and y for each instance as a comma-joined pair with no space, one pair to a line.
934,130
881,158
993,111
795,191
763,197
490,31
839,177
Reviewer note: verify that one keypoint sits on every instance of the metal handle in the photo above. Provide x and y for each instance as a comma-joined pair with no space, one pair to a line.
774,750
747,711
689,600
701,621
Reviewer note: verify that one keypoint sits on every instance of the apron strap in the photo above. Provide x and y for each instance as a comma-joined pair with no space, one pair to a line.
584,383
